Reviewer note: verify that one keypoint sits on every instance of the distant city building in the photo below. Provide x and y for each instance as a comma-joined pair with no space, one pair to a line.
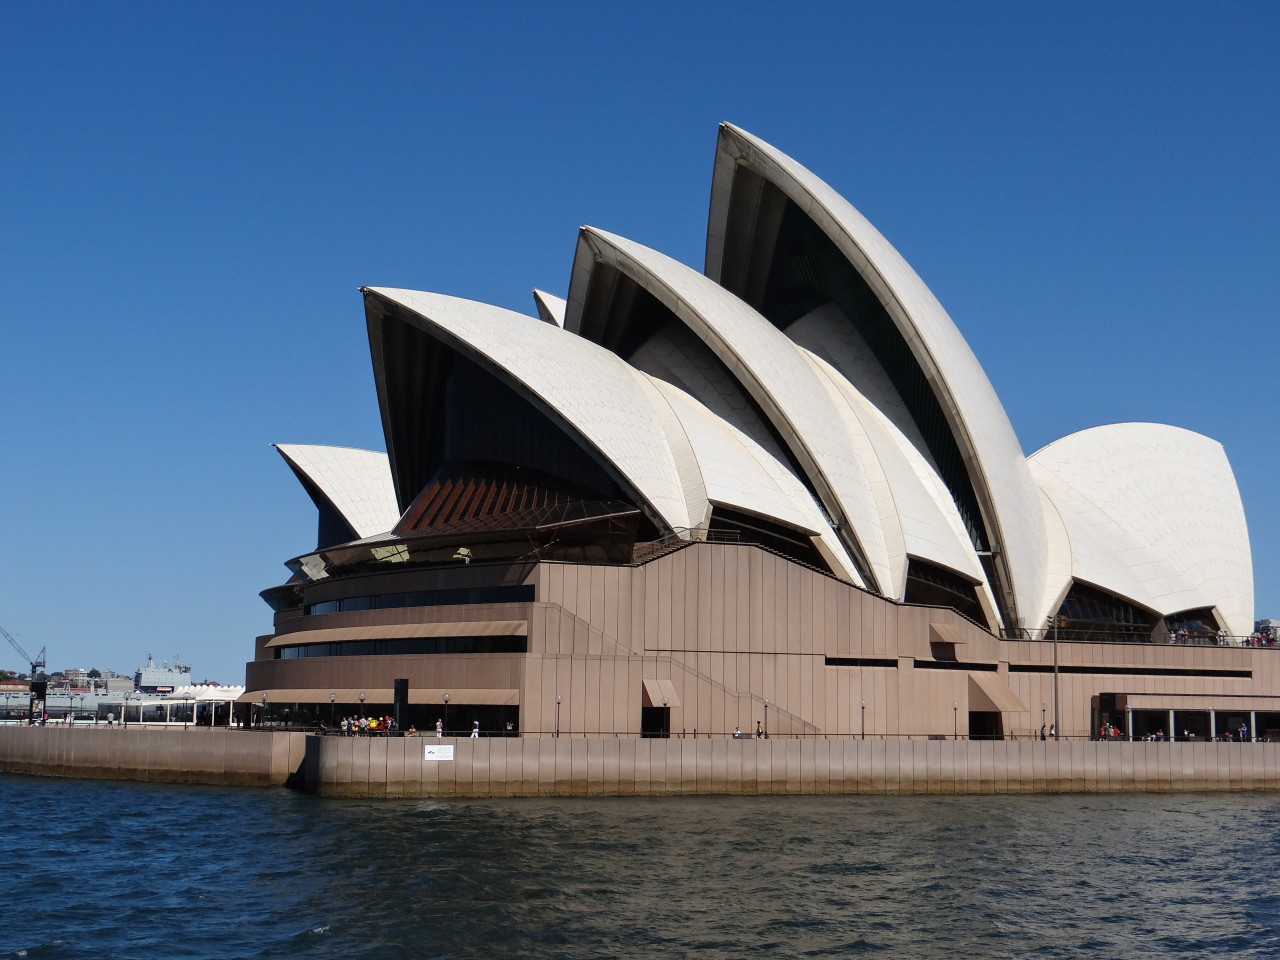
1269,628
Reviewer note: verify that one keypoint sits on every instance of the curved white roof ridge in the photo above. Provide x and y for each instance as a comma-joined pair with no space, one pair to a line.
1010,502
586,387
665,357
916,509
772,371
357,483
825,333
1058,556
1174,491
683,452
739,473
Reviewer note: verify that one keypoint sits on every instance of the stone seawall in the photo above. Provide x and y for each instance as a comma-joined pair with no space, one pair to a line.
515,767
362,767
230,757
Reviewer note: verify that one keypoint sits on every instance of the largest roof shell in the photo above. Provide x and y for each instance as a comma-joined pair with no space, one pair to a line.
997,470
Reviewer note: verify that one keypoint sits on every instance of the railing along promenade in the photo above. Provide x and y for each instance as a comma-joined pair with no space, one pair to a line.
1077,634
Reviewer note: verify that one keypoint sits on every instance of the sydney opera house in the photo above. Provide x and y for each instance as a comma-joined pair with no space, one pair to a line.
776,494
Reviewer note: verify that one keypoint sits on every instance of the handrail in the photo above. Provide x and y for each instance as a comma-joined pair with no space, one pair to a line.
1254,641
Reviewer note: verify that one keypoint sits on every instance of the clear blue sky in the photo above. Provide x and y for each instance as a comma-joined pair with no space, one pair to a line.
194,191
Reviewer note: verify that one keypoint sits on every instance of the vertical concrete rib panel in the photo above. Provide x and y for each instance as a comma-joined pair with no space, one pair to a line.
822,766
1160,767
593,768
1025,753
664,766
751,766
413,763
480,757
685,775
1049,766
642,767
871,767
791,751
360,766
396,750
626,767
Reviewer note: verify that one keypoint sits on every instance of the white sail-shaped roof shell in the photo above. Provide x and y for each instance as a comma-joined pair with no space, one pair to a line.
591,392
997,469
550,307
357,483
1152,512
769,368
917,514
737,472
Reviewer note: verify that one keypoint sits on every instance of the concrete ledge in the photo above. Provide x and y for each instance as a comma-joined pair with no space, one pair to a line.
228,757
515,767
502,767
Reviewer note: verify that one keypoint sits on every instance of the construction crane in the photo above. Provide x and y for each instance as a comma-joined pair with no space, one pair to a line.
37,687
38,662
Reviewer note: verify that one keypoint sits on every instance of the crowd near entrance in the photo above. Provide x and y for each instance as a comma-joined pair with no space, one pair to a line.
1112,720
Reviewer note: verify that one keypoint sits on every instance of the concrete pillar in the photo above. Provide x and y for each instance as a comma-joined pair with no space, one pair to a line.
1253,725
1213,725
1172,733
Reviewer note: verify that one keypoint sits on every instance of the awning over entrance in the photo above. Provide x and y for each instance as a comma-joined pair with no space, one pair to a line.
946,633
655,690
421,695
466,628
988,692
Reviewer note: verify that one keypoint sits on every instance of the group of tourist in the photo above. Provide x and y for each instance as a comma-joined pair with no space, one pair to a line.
1226,640
368,726
1109,731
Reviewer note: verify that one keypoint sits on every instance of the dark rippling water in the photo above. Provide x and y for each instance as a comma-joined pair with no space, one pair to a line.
106,870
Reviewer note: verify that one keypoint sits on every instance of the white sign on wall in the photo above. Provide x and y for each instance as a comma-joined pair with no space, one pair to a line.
442,751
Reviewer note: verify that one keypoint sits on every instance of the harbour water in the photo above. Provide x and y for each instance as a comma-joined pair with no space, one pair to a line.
113,870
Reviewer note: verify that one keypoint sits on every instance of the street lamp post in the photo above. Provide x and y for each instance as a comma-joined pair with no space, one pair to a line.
263,718
766,719
955,719
332,698
362,703
446,714
864,719
1057,719
558,699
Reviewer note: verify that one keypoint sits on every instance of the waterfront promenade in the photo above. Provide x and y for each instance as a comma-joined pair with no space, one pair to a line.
501,766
